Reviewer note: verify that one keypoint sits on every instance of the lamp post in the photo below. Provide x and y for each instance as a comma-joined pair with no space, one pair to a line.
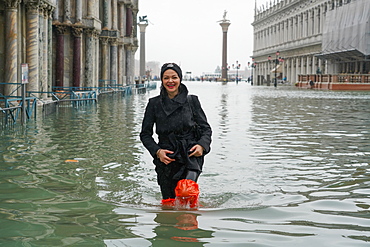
252,66
236,67
276,64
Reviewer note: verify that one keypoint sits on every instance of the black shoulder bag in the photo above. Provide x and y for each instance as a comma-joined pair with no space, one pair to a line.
196,127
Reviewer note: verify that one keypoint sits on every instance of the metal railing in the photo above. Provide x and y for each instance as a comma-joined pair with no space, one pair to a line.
13,107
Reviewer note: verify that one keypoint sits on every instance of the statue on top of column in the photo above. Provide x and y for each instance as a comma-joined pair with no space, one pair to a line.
224,17
143,19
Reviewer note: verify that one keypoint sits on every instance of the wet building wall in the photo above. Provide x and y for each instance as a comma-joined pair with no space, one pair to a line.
67,43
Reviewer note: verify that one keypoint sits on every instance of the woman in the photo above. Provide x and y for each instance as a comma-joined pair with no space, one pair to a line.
179,153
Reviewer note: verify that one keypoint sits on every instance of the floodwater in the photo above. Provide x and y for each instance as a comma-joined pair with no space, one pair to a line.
288,167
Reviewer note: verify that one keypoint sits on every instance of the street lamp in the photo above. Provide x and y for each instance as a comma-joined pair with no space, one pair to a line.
236,67
252,66
276,64
276,61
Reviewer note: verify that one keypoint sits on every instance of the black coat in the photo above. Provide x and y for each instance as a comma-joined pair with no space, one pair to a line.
173,120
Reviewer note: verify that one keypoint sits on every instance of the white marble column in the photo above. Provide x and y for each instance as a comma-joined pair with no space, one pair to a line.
142,49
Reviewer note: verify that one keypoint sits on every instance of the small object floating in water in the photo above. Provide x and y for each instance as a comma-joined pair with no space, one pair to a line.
71,161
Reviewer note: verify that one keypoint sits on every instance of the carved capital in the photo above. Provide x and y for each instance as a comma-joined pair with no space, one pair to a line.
33,5
77,31
91,32
114,42
61,29
12,4
44,9
104,40
47,10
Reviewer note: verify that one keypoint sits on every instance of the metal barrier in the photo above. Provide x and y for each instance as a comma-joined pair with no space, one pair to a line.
76,98
11,106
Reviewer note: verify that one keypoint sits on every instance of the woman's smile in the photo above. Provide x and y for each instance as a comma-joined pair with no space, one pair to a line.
171,82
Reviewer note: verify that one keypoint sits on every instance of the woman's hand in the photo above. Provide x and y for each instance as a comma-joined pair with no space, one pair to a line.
196,150
162,156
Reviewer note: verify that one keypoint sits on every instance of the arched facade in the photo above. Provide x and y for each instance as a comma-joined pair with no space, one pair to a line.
295,37
67,43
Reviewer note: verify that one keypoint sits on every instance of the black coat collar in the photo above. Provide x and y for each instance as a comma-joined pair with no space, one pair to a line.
171,105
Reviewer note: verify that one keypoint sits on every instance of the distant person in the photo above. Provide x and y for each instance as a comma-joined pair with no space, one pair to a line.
179,153
312,84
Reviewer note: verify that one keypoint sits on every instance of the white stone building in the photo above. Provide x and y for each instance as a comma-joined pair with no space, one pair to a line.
305,37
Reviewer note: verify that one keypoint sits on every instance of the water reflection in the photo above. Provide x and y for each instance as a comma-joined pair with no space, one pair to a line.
178,227
287,166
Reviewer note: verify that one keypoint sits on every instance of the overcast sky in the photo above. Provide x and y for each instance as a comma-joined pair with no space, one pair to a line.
187,32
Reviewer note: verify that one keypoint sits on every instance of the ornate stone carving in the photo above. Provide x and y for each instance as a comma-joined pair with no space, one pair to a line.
61,29
104,40
91,32
12,4
33,5
77,31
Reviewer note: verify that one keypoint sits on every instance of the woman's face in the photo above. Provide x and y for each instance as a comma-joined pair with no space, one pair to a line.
171,82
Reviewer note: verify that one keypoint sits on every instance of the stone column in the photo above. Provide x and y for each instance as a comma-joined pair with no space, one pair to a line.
104,54
131,63
120,64
11,49
59,56
142,49
225,25
306,19
129,22
32,45
90,8
50,47
56,11
44,50
129,79
122,18
308,65
313,67
106,4
79,11
77,33
91,58
41,42
67,11
292,70
114,15
89,64
298,66
113,61
321,24
97,58
124,65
